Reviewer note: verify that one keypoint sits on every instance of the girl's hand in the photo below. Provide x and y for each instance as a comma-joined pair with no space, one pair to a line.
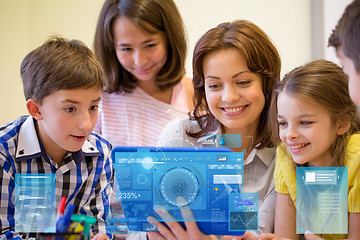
246,236
309,236
270,236
174,230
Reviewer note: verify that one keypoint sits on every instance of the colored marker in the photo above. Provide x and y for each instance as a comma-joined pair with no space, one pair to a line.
61,208
63,223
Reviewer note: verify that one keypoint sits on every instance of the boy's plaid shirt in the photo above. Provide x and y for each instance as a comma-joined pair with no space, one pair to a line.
84,177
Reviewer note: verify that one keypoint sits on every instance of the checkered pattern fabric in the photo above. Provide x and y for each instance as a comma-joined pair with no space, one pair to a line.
84,177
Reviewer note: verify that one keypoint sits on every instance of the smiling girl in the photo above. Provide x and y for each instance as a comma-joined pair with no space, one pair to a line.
141,46
318,126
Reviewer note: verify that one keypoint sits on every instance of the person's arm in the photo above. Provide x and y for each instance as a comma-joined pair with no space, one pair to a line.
354,223
354,230
174,135
7,191
285,217
267,213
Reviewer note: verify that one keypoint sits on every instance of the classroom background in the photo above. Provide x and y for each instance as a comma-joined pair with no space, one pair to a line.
298,28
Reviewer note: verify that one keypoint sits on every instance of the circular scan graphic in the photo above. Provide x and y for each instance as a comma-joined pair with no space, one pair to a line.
142,178
179,182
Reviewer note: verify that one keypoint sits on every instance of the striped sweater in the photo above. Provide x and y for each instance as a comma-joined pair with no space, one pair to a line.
137,119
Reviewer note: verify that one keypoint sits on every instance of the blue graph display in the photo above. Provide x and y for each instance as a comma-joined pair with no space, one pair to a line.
35,202
243,221
321,200
206,179
243,211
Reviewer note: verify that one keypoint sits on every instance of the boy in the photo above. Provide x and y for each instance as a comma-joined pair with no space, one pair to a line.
346,39
62,85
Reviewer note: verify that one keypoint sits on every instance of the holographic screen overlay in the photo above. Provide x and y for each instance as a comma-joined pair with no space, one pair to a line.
321,200
157,179
243,211
222,140
174,180
35,209
210,140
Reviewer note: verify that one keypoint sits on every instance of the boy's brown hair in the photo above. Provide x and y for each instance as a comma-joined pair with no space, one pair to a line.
346,35
59,64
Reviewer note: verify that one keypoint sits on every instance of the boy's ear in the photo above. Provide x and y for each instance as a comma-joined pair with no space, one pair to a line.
33,109
343,126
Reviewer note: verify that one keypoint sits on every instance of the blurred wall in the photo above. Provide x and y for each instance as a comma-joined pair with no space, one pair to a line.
25,25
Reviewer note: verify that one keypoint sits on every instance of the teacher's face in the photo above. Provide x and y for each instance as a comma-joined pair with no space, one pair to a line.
234,94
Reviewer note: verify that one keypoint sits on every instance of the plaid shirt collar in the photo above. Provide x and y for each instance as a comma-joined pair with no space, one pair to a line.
30,146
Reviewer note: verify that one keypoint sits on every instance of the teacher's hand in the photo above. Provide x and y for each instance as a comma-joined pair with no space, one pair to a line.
174,230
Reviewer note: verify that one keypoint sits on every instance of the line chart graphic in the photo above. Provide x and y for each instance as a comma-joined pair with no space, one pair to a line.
244,221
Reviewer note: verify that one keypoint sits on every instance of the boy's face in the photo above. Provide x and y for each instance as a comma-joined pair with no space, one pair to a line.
354,77
66,119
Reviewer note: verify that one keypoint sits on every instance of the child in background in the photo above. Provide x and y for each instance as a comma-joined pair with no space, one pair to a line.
141,46
346,39
235,67
318,125
62,85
